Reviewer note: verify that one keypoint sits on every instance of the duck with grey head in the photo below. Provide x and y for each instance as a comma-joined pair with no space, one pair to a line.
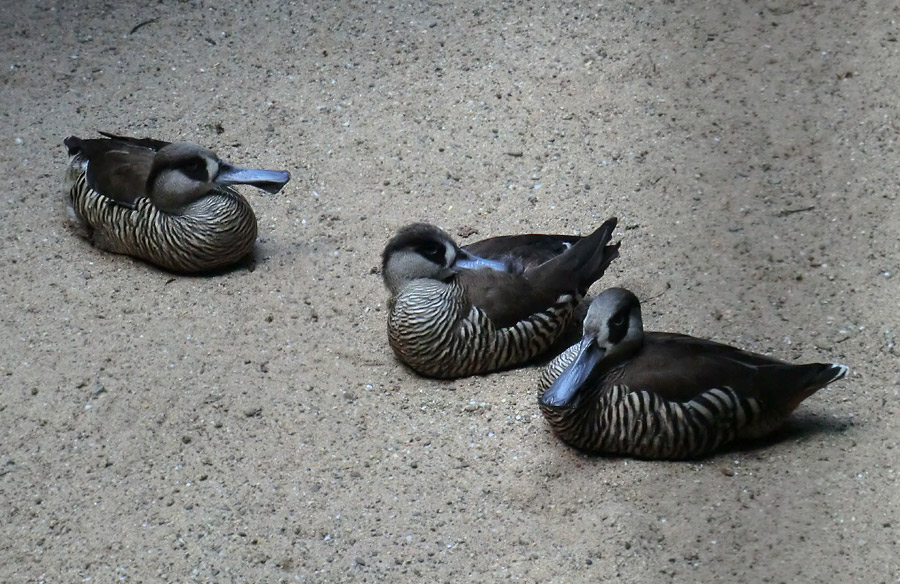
662,395
170,204
494,304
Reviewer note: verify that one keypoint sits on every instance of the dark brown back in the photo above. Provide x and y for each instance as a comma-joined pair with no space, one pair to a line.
549,268
680,367
529,250
118,167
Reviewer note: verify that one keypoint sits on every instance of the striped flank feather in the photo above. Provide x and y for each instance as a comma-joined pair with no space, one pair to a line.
642,424
432,328
218,230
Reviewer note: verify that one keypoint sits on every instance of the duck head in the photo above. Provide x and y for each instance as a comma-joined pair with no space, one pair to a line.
423,251
183,173
613,330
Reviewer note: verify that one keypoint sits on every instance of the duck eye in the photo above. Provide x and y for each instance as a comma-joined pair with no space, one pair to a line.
432,251
617,320
195,168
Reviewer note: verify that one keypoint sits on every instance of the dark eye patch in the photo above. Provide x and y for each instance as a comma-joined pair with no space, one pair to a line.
195,168
432,250
618,325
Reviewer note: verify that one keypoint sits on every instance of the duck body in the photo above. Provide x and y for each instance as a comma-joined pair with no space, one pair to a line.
663,395
169,204
455,313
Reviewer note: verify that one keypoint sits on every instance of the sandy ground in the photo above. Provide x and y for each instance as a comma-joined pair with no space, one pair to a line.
254,426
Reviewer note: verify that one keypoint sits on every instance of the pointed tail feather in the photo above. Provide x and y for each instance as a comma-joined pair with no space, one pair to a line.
582,264
828,373
595,269
840,372
74,145
820,375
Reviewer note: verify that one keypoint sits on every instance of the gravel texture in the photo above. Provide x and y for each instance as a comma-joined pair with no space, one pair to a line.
254,426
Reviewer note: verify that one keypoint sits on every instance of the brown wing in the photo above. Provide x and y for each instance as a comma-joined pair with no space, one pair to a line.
117,167
579,266
150,143
526,250
508,297
505,297
680,367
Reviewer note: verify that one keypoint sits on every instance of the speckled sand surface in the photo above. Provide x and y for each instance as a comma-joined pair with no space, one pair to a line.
254,426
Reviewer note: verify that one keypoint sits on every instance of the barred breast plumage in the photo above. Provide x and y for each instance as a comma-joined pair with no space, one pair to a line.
165,203
663,395
434,330
454,313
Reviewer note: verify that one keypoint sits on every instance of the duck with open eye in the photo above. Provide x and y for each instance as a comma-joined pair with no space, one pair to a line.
621,390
